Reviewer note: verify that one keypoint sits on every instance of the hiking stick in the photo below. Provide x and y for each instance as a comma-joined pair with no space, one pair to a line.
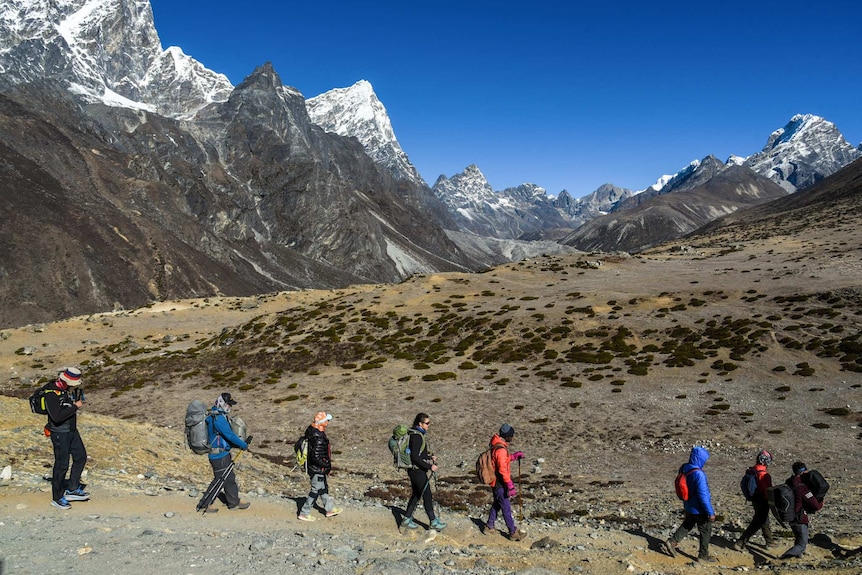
436,493
520,501
216,485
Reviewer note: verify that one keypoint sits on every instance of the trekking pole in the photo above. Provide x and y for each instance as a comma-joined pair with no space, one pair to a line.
436,492
215,487
520,501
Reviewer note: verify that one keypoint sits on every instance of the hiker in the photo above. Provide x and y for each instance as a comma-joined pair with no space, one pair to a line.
319,467
221,439
63,399
503,487
698,507
423,462
760,502
805,502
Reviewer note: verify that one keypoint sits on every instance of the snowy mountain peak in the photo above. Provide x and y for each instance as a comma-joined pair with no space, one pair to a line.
108,50
356,111
467,188
807,149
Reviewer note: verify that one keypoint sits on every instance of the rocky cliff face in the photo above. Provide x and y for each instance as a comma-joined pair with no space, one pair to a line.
103,50
125,206
701,197
356,111
803,152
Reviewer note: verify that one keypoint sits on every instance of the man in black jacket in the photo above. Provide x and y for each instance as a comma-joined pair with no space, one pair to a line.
319,467
62,401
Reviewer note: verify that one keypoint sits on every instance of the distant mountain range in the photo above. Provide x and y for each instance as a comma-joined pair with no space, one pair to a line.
137,174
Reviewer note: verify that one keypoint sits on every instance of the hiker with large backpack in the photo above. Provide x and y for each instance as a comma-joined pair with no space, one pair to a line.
755,486
805,502
502,486
693,489
221,438
318,466
423,462
61,400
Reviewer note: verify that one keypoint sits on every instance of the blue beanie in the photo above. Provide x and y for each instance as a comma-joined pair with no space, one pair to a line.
506,431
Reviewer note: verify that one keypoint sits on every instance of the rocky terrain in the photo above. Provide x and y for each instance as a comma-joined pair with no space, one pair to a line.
609,367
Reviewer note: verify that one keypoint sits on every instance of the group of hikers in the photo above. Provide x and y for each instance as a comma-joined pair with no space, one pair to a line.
693,488
62,398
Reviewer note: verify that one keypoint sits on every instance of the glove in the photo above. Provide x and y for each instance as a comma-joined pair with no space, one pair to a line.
516,456
511,491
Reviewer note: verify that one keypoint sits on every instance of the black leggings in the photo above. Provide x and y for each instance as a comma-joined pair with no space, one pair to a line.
420,483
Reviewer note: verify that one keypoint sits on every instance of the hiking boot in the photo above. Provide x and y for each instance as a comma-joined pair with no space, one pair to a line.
308,518
409,523
486,528
706,559
211,510
770,544
241,505
77,495
669,547
739,545
516,536
61,503
437,524
335,511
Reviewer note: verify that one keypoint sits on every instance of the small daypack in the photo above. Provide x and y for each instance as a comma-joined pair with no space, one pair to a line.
748,484
300,451
238,426
399,446
486,471
782,502
37,400
197,437
680,484
816,483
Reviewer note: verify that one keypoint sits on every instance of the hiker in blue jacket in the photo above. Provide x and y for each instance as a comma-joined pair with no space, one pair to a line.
222,438
698,507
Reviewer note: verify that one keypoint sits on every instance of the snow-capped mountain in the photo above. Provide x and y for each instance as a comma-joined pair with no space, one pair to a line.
596,203
807,149
183,185
103,50
356,111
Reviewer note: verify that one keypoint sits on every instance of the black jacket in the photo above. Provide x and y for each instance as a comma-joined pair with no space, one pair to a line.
62,411
419,454
319,454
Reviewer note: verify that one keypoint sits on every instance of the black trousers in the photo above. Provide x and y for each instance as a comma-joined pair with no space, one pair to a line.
759,521
419,482
229,495
67,444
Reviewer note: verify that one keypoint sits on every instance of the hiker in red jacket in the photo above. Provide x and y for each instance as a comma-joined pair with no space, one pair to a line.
805,503
503,487
760,502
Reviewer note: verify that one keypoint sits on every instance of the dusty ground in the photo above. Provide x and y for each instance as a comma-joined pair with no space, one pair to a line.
610,445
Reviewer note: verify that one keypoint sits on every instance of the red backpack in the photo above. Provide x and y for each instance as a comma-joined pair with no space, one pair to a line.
681,484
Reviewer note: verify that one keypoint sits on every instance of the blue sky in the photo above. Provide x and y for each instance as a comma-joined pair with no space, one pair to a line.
563,94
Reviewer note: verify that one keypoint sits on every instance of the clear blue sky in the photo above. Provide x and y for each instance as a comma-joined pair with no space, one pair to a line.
563,94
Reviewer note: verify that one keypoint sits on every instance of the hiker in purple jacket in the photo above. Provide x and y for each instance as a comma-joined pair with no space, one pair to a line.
698,507
805,502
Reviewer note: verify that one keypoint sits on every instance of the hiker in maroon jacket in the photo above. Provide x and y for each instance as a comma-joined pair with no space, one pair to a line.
760,502
805,503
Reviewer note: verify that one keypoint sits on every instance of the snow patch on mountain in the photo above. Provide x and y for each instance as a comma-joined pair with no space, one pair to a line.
106,51
804,151
356,111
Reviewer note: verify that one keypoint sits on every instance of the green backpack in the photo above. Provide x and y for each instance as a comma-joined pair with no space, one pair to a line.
399,446
300,451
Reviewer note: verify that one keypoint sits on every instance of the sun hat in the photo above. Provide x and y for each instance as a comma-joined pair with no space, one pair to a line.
71,376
